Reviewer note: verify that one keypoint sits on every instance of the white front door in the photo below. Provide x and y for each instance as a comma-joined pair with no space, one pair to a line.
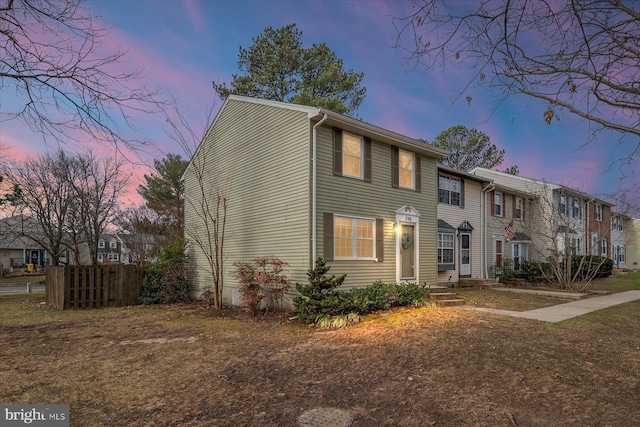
465,254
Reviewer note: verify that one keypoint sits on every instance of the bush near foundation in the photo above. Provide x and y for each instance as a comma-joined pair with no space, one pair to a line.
322,303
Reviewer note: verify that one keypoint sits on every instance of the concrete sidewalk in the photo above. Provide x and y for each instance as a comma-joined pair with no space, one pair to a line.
560,312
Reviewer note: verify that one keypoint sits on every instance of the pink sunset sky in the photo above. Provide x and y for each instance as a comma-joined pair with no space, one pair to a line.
181,46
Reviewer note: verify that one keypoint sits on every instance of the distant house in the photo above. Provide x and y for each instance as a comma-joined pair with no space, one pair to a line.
137,248
17,249
304,182
110,249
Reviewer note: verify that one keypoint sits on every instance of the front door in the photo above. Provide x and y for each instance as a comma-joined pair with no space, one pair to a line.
407,252
465,254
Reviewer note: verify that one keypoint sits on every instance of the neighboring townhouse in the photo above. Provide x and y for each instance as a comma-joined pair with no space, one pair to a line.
508,228
110,249
302,182
619,225
460,226
632,246
598,227
562,219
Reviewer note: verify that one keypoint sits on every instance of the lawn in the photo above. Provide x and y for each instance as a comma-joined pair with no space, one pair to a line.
182,365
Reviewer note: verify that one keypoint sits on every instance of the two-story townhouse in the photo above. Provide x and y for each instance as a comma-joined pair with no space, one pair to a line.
109,249
302,182
632,243
598,227
619,225
460,226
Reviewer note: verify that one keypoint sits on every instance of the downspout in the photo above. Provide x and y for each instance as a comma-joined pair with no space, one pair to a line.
483,228
314,180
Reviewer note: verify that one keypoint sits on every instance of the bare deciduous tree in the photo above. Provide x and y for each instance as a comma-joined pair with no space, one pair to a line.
206,203
51,56
72,198
577,56
96,184
42,193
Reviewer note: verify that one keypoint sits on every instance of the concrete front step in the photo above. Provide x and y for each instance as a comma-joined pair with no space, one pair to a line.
450,302
443,295
445,298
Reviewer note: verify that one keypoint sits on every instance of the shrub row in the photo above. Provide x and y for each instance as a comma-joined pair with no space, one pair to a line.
320,300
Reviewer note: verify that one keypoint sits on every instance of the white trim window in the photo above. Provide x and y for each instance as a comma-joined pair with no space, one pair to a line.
101,244
354,238
576,210
597,212
99,257
520,253
113,245
449,190
407,168
498,204
446,249
352,155
603,247
562,205
518,209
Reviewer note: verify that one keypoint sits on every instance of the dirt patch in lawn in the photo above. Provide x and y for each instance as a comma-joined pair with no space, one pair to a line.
408,367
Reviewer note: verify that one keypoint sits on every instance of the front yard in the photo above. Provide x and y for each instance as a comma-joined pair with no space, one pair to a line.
181,365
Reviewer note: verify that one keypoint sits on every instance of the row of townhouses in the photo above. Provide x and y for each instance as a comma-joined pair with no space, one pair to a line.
303,182
17,251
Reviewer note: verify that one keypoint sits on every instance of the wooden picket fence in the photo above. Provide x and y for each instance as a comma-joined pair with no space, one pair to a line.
82,286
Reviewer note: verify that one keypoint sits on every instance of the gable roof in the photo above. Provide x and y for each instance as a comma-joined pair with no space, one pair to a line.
349,124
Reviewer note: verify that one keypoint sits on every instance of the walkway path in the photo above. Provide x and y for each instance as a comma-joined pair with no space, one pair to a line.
560,312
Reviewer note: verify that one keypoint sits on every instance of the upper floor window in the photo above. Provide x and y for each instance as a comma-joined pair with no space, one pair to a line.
351,155
354,238
101,244
113,245
562,205
614,222
449,190
597,214
406,164
576,208
498,204
518,212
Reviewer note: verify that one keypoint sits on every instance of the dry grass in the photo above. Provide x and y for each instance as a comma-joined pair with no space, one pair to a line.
180,365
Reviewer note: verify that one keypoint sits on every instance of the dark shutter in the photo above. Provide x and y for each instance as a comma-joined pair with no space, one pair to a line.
524,203
395,167
380,239
367,159
492,199
337,151
328,236
418,175
462,193
513,206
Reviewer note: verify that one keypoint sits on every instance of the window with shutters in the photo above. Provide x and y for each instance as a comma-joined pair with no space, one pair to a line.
518,211
498,204
406,163
354,238
352,155
449,190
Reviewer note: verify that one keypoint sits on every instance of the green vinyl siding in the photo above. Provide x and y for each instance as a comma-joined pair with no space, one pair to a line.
259,155
376,199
